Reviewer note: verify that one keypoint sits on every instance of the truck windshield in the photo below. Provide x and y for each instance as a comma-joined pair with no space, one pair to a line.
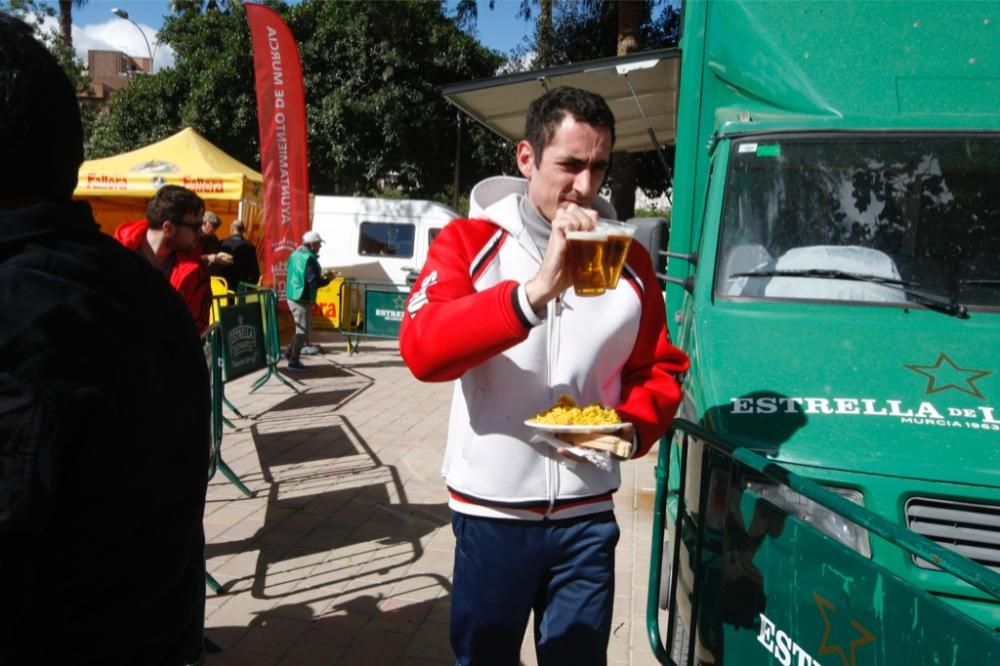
898,220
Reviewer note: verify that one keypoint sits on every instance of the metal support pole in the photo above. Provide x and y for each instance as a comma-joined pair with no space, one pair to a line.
458,160
122,14
652,135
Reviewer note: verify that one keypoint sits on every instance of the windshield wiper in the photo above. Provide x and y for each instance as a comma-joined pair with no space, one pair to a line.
932,301
980,283
827,273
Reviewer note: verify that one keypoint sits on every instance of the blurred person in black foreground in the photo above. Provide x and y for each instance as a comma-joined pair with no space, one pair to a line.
104,409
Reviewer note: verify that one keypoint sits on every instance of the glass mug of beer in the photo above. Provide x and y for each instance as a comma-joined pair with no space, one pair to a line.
595,258
619,240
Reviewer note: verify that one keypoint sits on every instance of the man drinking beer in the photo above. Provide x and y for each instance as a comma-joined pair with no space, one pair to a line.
493,308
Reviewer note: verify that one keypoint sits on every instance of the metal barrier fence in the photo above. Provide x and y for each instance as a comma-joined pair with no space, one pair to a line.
212,344
267,350
371,309
243,339
214,356
750,582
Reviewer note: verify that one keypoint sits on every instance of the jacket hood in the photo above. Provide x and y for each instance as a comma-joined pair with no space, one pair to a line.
130,234
497,199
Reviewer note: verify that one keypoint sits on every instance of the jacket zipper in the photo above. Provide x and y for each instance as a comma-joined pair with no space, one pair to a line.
552,469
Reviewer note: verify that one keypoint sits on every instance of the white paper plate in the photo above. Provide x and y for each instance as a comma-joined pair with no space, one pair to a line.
552,427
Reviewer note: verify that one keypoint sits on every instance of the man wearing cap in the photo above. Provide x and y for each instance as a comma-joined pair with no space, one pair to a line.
304,279
212,254
209,242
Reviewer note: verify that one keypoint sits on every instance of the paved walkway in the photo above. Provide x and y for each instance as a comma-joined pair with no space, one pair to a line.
344,553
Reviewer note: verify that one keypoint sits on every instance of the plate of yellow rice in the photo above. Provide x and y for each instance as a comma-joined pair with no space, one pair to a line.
567,416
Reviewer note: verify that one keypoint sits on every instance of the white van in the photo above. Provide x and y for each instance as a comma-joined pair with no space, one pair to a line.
376,245
373,239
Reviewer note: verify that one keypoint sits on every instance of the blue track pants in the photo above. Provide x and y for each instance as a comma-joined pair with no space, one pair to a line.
563,570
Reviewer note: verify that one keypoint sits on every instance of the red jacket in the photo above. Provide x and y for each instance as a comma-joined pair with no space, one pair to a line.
188,276
468,319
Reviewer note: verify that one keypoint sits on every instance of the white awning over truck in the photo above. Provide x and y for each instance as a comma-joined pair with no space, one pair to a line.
641,89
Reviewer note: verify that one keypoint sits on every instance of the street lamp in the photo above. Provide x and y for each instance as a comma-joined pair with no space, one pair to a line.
121,13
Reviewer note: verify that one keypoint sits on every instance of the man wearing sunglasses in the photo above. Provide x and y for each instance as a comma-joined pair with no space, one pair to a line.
168,238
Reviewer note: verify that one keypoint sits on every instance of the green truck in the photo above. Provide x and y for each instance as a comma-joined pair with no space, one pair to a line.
831,493
835,277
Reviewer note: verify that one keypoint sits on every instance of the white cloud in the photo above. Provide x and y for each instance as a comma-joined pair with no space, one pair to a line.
521,63
120,35
116,35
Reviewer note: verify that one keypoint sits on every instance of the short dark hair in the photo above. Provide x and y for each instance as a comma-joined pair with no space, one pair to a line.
172,202
212,219
40,128
546,113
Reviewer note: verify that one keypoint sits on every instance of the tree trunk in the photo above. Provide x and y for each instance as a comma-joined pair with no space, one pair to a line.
544,32
630,14
66,21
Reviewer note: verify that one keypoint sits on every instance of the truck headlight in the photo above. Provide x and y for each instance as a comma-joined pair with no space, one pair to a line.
832,524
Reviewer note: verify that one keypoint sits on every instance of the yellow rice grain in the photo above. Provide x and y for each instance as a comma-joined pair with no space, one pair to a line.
566,412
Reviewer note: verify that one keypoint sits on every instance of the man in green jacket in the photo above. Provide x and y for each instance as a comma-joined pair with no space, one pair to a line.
304,278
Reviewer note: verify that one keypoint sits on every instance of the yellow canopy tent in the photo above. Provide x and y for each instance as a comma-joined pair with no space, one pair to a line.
119,187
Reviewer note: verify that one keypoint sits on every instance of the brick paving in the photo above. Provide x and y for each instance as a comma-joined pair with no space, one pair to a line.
344,553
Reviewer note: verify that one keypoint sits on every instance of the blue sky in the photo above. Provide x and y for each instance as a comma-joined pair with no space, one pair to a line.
96,28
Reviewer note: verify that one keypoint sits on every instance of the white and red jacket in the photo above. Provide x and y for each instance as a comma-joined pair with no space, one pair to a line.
468,319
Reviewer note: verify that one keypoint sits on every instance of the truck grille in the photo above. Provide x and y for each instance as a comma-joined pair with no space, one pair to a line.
973,530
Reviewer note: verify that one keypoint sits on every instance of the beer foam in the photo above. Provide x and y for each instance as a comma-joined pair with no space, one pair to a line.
613,228
596,235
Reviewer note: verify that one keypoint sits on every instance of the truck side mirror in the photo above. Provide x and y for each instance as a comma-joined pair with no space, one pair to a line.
653,233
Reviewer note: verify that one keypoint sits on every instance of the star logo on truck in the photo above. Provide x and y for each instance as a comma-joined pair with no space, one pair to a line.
944,374
848,652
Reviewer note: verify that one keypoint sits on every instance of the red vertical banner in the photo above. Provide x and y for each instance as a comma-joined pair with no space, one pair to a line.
284,157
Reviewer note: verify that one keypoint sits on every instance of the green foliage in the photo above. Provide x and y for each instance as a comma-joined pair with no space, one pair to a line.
215,63
583,31
653,212
649,174
587,30
461,206
29,11
371,72
139,114
211,88
33,12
